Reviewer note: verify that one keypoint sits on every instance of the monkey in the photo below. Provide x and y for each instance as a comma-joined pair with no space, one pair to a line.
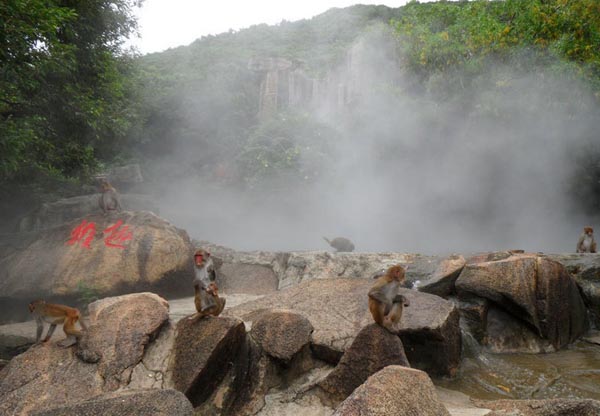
586,243
109,198
219,303
55,314
340,244
385,303
204,275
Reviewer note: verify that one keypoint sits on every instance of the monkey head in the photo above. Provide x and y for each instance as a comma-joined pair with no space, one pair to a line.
200,256
213,288
588,230
396,272
33,304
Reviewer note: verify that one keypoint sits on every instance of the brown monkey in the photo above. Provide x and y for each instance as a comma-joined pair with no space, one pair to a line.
109,198
586,243
216,309
385,303
340,244
54,315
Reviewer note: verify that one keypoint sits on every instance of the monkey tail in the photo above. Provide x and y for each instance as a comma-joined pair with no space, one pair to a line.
326,239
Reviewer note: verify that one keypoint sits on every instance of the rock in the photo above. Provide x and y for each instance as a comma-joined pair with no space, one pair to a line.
54,214
144,253
47,375
16,338
505,334
120,328
459,404
246,278
533,288
126,174
473,315
585,269
550,407
203,352
373,349
441,282
132,403
338,310
281,334
395,390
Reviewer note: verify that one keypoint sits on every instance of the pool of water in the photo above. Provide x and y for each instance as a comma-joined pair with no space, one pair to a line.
573,372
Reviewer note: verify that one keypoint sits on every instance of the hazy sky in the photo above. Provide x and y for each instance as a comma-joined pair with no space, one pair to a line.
169,23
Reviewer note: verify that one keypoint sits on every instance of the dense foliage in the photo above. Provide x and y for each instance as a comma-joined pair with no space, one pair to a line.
66,87
72,101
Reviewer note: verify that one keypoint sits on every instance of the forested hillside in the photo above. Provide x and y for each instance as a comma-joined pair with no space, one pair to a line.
397,92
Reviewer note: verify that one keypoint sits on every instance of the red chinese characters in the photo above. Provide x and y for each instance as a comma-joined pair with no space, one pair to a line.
83,233
115,235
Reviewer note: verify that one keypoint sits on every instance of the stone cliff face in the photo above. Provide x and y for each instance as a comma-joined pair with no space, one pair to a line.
285,85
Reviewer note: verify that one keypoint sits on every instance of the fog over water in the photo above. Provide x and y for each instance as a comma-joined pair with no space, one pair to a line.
415,169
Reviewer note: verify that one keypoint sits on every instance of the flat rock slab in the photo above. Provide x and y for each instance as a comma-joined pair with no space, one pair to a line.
153,402
338,310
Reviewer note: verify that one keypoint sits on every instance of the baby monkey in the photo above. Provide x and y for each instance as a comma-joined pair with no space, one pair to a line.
385,302
55,314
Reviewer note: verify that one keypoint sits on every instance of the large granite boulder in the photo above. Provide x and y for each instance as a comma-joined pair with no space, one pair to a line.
441,281
204,351
338,310
119,330
130,402
395,390
54,214
533,288
281,334
585,269
48,376
373,349
114,254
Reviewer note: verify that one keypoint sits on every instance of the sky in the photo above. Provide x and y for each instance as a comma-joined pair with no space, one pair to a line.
165,24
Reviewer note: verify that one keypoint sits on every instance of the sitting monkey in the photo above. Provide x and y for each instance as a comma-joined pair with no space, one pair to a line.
385,303
586,242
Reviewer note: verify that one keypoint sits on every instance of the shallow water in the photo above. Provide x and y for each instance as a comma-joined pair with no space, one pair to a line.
573,372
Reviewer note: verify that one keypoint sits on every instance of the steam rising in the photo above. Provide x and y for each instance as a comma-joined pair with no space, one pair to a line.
416,168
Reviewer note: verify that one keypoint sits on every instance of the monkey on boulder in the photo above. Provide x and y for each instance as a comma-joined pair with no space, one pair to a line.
55,314
586,242
386,304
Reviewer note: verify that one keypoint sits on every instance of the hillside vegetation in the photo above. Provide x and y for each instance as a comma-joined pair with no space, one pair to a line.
73,102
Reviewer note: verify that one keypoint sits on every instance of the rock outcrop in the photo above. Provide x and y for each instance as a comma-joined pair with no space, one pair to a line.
114,254
54,214
131,403
338,310
395,390
532,288
48,376
373,349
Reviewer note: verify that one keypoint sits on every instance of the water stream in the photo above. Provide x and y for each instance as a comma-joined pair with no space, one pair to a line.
573,372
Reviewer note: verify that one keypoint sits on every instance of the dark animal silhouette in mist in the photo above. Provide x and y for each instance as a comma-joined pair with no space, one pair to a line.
340,244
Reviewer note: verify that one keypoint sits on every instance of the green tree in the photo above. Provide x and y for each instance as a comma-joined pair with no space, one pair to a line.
65,87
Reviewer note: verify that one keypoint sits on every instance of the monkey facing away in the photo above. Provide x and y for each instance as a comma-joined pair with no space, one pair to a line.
385,302
109,198
586,243
341,244
55,314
